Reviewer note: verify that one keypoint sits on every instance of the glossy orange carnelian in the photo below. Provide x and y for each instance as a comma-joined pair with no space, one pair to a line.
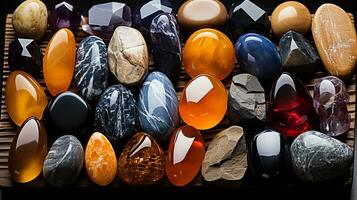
185,156
59,60
209,51
24,97
204,102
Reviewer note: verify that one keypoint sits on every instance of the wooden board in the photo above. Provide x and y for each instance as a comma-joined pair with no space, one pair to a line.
8,129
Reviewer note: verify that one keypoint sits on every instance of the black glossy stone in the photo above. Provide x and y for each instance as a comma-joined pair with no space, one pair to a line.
166,45
245,17
25,54
64,14
64,161
269,154
298,56
116,113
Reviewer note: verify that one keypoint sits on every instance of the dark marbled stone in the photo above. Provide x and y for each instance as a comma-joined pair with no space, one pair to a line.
166,45
64,14
25,54
64,161
116,113
158,107
319,157
91,72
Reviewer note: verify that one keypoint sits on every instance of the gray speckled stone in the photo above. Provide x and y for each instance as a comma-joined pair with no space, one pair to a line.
91,72
115,113
64,161
318,157
158,106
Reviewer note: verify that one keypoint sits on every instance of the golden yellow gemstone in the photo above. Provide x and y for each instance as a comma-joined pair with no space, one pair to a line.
24,97
59,61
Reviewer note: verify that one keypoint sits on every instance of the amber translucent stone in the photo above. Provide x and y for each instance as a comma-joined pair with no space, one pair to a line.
24,97
142,161
100,160
185,156
59,60
209,51
28,151
204,102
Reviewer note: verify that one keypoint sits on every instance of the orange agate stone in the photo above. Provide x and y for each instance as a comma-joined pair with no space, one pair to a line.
185,156
24,97
100,160
59,61
209,51
204,102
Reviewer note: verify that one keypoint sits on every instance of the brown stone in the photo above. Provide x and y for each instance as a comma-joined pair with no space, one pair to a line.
226,156
335,39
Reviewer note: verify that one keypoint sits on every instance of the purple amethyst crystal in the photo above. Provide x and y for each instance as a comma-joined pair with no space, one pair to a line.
64,14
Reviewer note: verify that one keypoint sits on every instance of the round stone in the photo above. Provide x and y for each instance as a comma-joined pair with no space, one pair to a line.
64,14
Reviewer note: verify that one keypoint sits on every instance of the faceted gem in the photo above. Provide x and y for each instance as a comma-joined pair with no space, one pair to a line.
193,15
25,54
226,157
269,154
59,60
28,151
185,155
68,113
203,102
104,18
91,71
115,114
208,51
298,56
330,102
64,14
291,111
258,56
30,19
318,157
64,161
142,161
128,56
166,45
158,107
337,47
245,17
24,97
100,159
246,100
290,15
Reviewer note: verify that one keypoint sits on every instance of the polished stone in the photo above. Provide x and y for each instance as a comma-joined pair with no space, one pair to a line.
64,14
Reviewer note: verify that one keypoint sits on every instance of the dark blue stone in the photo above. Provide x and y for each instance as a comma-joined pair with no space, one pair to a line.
166,45
91,72
158,107
258,56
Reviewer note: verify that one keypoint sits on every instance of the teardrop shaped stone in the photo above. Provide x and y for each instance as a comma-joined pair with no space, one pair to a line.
142,161
24,97
28,151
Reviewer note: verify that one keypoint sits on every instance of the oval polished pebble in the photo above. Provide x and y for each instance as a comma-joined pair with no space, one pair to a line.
158,106
91,72
28,151
59,61
64,161
100,160
203,102
290,15
209,51
142,161
196,14
185,155
30,19
24,97
337,46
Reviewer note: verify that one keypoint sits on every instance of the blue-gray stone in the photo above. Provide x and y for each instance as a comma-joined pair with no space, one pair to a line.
91,72
64,161
318,157
158,106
